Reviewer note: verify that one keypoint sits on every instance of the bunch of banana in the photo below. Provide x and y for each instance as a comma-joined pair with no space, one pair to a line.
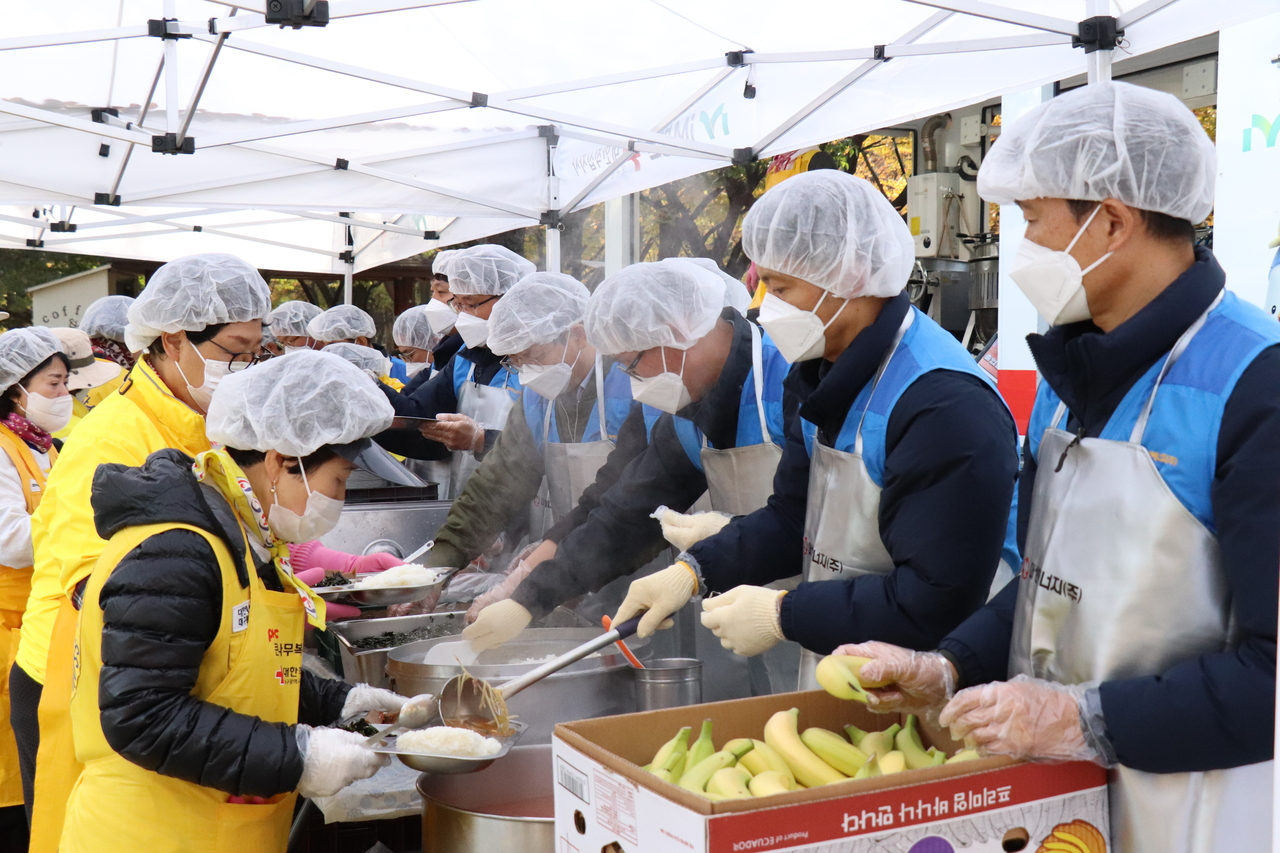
1075,837
841,676
698,777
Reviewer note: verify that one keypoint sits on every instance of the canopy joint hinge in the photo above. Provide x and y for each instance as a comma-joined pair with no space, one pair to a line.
197,228
737,58
479,99
35,244
347,256
877,53
63,227
551,219
341,165
430,235
167,143
548,132
107,199
743,156
1098,33
159,28
293,13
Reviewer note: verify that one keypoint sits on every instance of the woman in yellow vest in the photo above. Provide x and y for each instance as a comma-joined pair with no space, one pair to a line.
192,714
104,321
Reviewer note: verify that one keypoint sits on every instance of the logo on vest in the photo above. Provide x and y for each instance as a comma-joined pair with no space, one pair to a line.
287,672
1163,458
1052,583
821,560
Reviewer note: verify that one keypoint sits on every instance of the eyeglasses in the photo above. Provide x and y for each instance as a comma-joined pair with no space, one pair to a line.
460,307
630,369
238,360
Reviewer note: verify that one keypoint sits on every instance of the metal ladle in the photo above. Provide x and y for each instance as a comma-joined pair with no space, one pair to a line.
414,714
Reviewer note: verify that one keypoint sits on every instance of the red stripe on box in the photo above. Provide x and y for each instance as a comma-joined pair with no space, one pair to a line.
1018,387
913,805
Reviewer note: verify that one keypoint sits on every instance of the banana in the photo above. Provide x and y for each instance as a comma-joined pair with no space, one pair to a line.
937,759
730,782
702,747
764,758
855,734
1072,839
870,769
964,755
771,782
908,743
809,770
880,743
664,752
841,676
893,762
696,777
834,750
1053,845
671,770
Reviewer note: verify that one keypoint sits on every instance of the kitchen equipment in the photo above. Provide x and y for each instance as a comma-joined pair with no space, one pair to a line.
595,687
448,764
385,520
463,698
369,666
668,683
377,596
414,714
507,808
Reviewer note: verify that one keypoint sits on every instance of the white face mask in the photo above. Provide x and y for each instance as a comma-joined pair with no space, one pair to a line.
474,331
413,368
666,392
50,414
440,317
549,380
1053,281
214,373
320,517
288,349
799,335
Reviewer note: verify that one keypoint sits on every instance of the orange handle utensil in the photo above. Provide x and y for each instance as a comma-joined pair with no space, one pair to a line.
622,646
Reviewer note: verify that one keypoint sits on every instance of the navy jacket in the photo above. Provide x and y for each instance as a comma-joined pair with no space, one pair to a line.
426,397
950,467
1228,698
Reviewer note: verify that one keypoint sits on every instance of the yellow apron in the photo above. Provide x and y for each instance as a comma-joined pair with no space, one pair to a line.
254,667
15,586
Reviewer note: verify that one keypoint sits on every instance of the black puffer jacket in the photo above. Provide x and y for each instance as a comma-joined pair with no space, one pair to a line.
162,608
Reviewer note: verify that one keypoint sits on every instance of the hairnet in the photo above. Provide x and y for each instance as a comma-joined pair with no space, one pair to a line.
365,358
296,404
833,230
106,318
440,263
736,294
538,310
290,319
412,329
1109,140
341,323
670,303
486,270
191,293
22,351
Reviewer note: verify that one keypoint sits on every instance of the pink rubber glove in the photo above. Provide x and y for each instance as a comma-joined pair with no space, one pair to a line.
1023,717
334,612
306,556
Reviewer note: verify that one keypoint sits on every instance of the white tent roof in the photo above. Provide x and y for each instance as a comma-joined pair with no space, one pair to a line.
455,120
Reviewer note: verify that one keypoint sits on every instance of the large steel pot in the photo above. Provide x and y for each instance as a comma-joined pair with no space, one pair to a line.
506,808
595,687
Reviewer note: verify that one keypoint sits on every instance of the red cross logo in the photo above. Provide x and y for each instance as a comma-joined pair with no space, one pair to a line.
280,675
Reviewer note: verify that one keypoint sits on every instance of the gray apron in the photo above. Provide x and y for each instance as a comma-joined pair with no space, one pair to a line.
569,467
842,515
487,406
1120,580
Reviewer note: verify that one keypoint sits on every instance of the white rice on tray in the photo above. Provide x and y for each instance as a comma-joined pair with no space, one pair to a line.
410,574
447,740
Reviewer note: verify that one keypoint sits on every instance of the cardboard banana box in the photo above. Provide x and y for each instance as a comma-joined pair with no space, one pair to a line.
606,803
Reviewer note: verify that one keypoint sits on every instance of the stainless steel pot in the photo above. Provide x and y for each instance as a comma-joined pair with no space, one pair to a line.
506,808
595,687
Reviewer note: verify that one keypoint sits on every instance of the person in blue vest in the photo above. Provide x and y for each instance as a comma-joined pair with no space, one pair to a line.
1140,633
893,492
470,397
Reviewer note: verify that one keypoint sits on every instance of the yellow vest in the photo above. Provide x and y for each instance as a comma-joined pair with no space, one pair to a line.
253,667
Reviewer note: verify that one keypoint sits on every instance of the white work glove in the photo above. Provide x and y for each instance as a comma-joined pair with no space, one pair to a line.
1027,718
332,759
683,531
745,619
497,624
456,432
917,681
501,592
661,594
364,698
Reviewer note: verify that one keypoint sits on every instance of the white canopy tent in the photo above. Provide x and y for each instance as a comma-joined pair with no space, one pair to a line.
403,125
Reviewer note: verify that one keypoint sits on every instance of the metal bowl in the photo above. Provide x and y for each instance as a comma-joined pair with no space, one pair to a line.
427,763
376,597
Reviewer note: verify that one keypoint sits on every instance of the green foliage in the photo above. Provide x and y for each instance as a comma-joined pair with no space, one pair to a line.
23,268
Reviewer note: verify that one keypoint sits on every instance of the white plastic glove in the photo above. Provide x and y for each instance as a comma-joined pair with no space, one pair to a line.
745,619
1024,717
456,432
683,530
918,681
497,624
661,594
501,592
364,698
332,759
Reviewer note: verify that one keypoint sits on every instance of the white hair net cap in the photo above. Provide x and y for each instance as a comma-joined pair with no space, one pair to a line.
341,323
291,318
23,350
736,295
106,318
365,358
833,230
297,404
669,303
191,293
486,270
1106,140
538,310
412,329
440,264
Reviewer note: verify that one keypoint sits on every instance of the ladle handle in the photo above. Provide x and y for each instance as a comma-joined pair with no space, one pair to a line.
621,632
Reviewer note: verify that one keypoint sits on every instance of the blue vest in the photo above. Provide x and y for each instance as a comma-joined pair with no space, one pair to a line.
1182,433
925,347
617,405
775,371
462,370
398,370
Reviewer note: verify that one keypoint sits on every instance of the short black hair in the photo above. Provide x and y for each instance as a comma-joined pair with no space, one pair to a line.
439,276
7,401
196,337
246,458
1162,226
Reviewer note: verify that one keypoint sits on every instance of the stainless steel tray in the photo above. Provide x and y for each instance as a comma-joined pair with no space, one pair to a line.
369,666
450,763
